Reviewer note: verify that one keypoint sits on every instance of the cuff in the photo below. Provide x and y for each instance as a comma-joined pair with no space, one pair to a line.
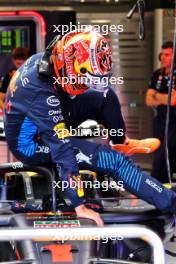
77,202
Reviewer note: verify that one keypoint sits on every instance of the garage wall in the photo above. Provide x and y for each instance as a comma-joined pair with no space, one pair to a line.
133,59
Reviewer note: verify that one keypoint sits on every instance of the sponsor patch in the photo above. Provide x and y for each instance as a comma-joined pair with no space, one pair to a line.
76,185
56,224
8,107
56,119
16,165
53,101
54,112
42,149
61,130
81,157
154,185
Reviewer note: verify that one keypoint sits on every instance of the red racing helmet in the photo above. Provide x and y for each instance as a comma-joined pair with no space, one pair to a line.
82,60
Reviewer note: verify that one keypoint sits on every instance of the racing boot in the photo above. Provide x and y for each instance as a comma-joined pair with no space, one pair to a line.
135,146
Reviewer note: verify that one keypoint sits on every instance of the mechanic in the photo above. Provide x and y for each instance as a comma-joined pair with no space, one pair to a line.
157,98
19,56
38,115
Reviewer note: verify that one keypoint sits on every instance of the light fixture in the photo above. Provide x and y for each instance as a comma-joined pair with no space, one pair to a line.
116,1
107,1
82,1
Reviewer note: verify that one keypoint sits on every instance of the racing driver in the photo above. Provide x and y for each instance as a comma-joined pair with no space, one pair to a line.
40,108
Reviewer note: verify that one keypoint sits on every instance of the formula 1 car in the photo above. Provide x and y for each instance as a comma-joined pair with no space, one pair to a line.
29,202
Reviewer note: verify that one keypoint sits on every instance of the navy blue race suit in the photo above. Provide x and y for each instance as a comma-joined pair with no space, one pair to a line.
35,115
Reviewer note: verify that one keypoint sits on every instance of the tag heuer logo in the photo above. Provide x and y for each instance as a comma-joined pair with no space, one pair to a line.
53,101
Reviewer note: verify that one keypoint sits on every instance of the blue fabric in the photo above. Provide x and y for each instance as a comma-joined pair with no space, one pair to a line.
26,143
136,181
34,121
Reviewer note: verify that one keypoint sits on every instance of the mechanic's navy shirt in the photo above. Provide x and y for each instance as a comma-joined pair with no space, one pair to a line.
160,82
33,109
